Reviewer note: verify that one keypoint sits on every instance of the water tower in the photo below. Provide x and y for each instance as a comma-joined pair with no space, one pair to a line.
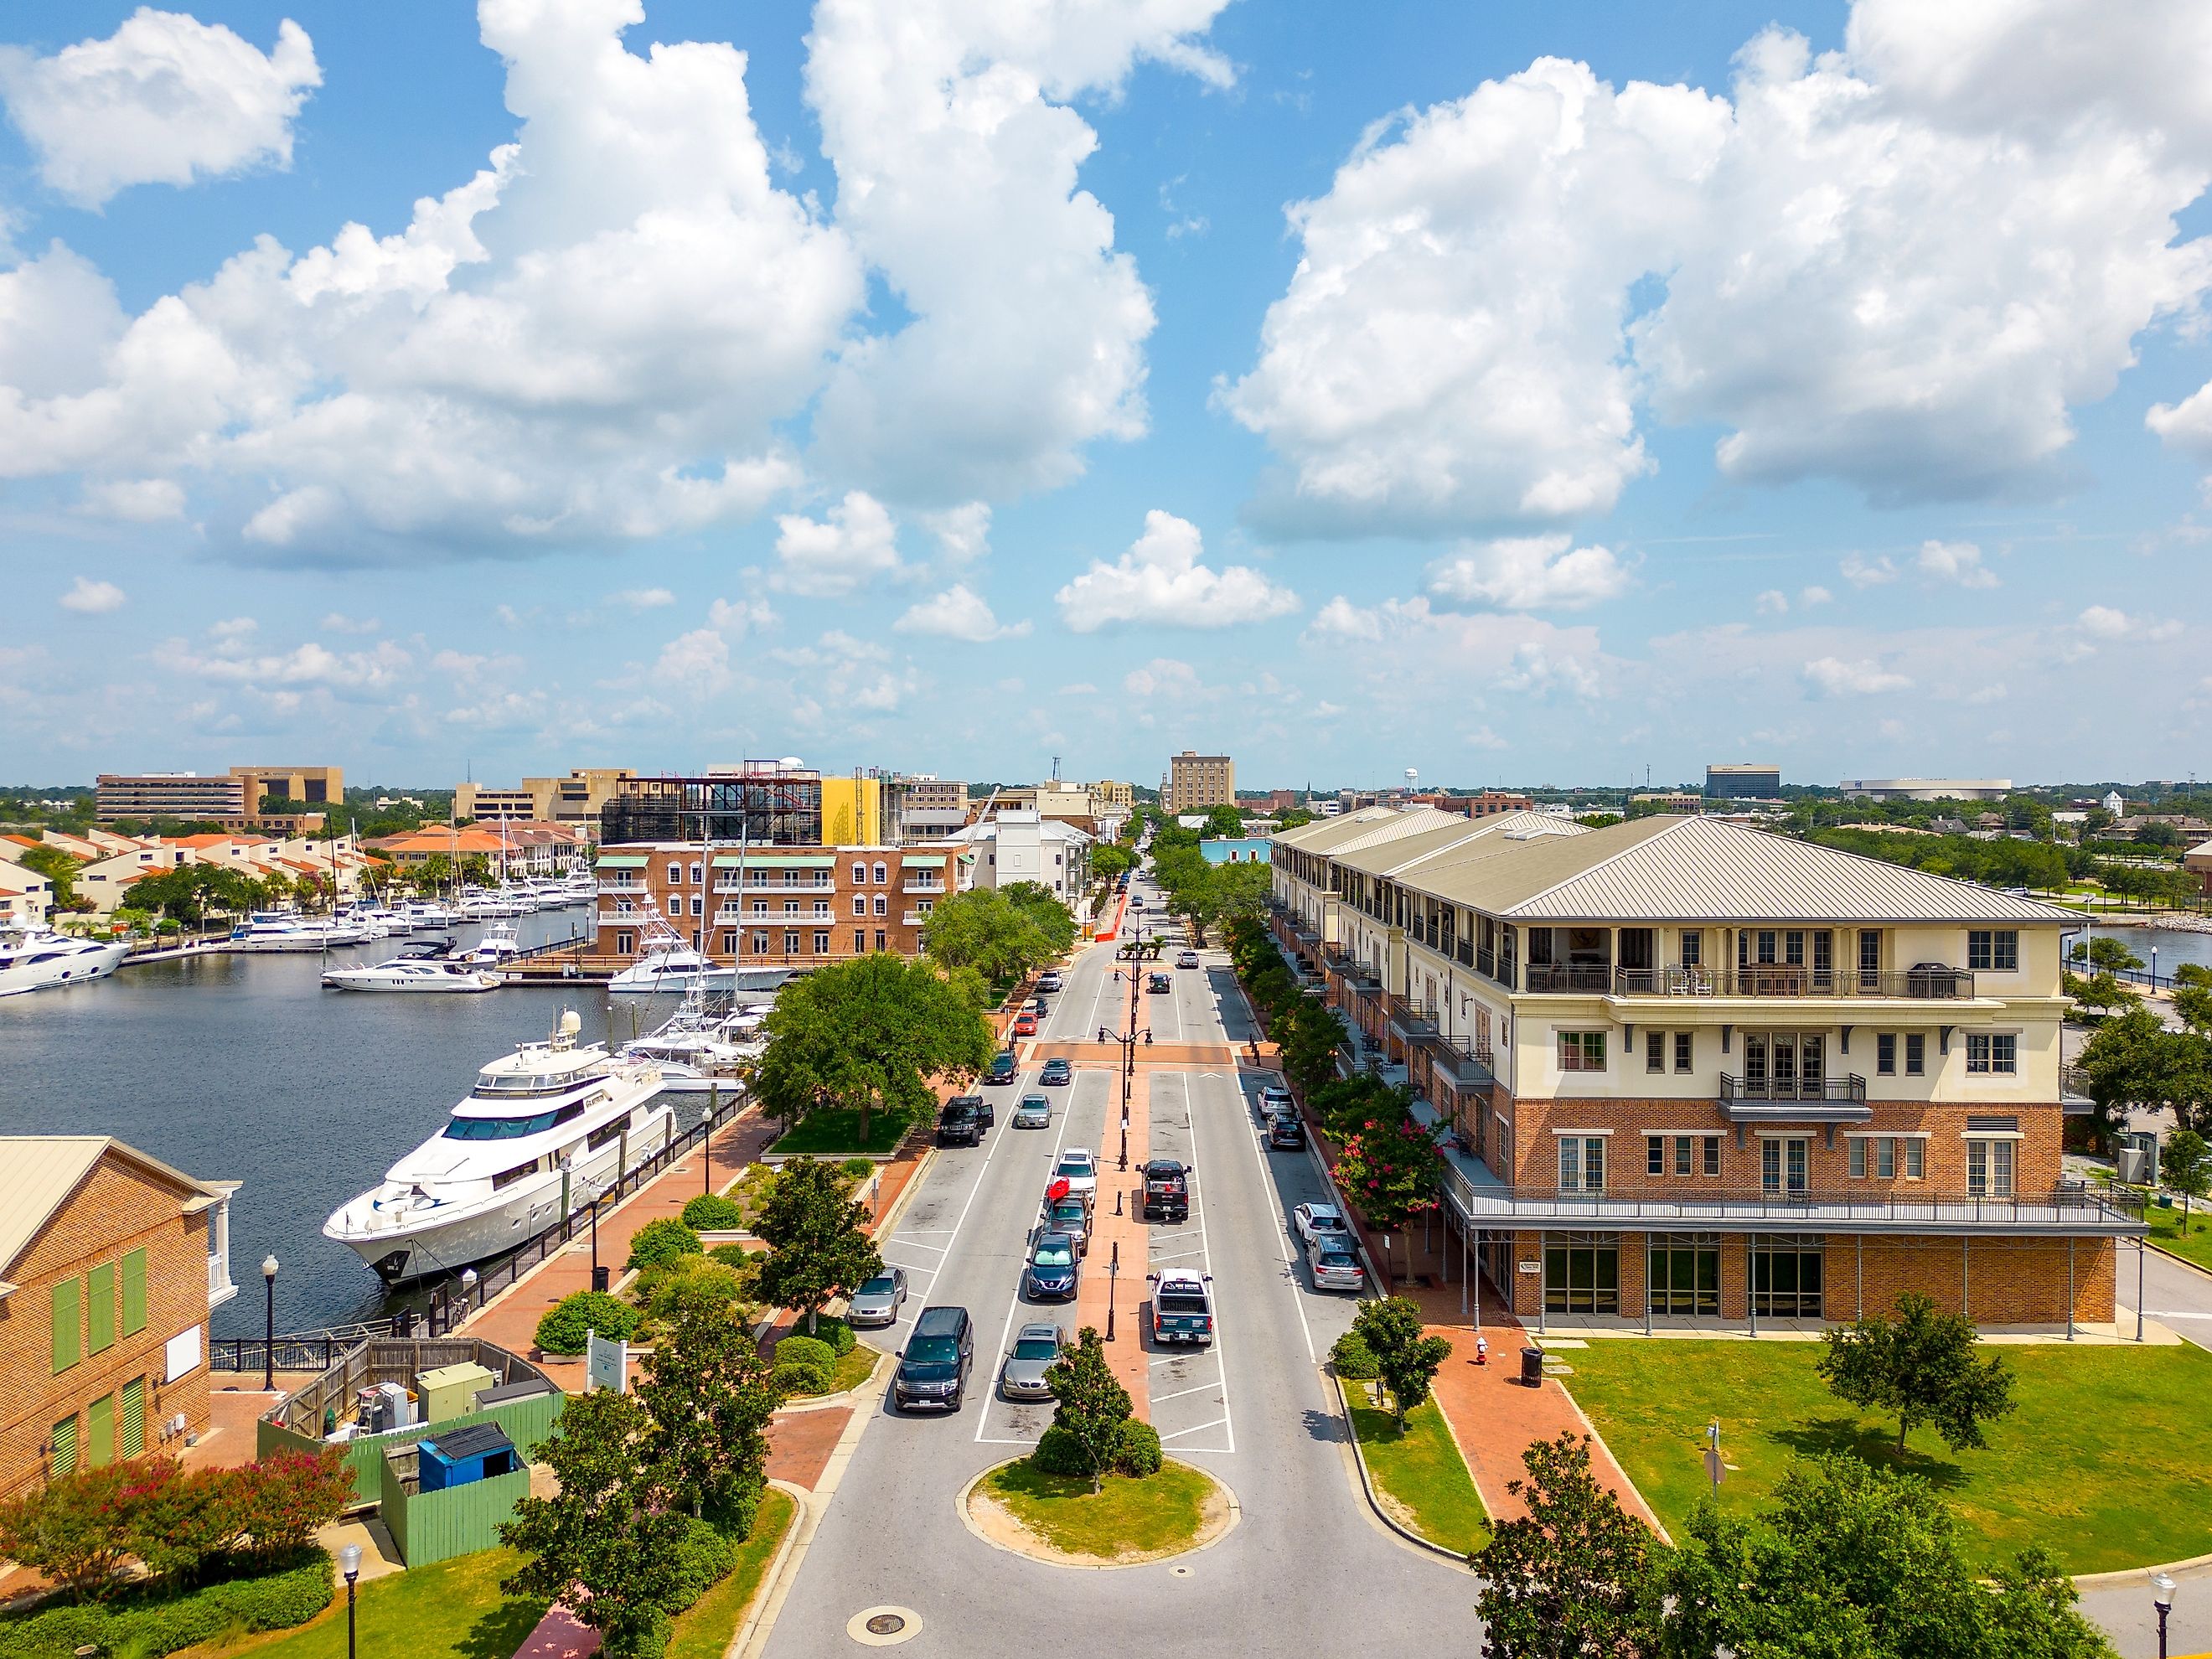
1412,777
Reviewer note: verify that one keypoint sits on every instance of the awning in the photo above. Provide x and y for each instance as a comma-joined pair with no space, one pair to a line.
622,861
781,861
928,861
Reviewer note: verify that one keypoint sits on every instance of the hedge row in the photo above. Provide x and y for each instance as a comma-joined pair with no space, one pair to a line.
274,1601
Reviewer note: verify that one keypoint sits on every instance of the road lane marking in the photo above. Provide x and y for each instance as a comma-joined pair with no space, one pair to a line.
1209,1388
1198,1208
1197,1427
1007,1330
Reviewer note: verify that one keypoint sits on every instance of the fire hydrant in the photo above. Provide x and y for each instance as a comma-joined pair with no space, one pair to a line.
1482,1351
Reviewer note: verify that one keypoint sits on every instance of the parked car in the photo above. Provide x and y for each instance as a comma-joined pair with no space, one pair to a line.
960,1124
1287,1131
1054,1265
1182,1307
1070,1215
1187,959
1049,981
1275,1099
1005,1068
1025,1023
1078,1167
1037,1349
932,1371
1057,1073
879,1301
1334,1266
1034,1113
1167,1191
1313,1220
1157,983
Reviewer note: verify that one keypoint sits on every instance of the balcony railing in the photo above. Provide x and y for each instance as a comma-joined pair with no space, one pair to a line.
2070,1207
914,886
1851,1088
1929,983
1582,977
759,881
609,887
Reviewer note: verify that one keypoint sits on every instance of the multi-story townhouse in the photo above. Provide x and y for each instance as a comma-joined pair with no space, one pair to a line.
1692,1071
773,907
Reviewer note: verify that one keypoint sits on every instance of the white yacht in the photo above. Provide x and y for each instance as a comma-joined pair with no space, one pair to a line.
287,930
701,1051
420,915
665,963
553,1122
498,944
412,973
38,958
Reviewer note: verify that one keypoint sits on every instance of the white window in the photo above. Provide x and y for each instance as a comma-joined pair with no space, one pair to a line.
675,874
822,907
1655,1051
859,904
1989,1169
1913,1155
790,908
1992,1053
860,873
698,875
1581,1163
883,904
883,873
698,905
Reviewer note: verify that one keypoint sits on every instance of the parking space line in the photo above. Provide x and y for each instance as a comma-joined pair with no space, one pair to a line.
1180,1255
1206,1388
906,1243
1196,1427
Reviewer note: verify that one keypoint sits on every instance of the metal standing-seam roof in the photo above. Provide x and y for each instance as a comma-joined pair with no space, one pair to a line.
1400,856
1701,870
37,1174
1326,835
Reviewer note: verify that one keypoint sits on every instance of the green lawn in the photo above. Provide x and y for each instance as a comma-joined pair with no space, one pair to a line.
838,1133
703,1630
2165,1232
1128,1517
1421,1472
2106,1462
449,1608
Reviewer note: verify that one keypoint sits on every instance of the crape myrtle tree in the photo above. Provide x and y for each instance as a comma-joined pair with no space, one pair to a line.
1090,1404
868,1034
818,1245
1408,1358
1921,1367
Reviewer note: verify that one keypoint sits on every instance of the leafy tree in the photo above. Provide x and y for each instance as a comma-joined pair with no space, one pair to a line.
1039,906
2184,1164
868,1034
985,929
1223,823
705,1386
568,1322
1391,1169
1406,1357
60,870
2192,996
2159,835
1574,1578
433,873
606,1545
1110,862
2097,996
2106,953
1309,1034
1091,1404
73,1529
1921,1366
1293,818
2132,1062
815,1233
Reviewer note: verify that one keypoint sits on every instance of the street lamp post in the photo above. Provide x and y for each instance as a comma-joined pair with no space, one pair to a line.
268,1346
598,1274
350,1564
1113,1281
2162,1597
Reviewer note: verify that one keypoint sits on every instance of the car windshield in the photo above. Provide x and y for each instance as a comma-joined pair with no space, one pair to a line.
1334,1258
932,1351
881,1284
1054,1256
1074,1164
1037,1101
1036,1347
1067,1210
1328,1220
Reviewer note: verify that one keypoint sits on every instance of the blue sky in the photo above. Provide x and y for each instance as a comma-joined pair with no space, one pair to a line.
1515,393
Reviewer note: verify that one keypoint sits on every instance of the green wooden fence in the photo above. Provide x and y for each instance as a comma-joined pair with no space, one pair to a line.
526,1421
430,1526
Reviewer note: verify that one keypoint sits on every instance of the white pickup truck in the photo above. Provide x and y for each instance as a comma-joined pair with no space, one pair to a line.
1182,1307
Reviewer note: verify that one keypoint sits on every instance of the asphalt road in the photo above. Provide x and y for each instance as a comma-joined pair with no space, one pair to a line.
1306,1568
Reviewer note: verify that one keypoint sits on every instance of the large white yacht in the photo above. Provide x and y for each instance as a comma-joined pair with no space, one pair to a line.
38,958
287,930
552,1120
411,973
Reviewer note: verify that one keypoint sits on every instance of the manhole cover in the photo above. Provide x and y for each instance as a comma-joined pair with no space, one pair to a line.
883,1627
1180,1572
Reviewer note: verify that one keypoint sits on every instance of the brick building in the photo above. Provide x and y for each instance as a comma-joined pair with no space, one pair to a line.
773,907
1196,782
110,1262
1696,1071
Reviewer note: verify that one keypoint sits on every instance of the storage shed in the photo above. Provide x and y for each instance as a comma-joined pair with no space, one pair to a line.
461,1457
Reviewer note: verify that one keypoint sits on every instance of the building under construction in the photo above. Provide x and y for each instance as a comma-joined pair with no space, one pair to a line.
759,803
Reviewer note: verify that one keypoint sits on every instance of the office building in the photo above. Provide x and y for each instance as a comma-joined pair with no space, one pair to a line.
576,801
313,785
1927,789
218,798
1017,845
1198,782
1743,782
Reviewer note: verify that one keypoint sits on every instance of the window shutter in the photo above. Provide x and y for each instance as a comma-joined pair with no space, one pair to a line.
134,1292
65,1455
100,1433
68,1324
99,1309
134,1417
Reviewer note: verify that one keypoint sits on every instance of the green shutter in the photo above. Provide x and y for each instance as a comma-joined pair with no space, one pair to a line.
134,1417
69,1324
99,1309
64,1457
134,1292
100,1433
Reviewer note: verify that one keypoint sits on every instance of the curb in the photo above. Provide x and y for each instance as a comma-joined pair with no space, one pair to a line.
2198,1267
887,1224
960,1507
1650,1514
2132,1577
1374,1502
774,1573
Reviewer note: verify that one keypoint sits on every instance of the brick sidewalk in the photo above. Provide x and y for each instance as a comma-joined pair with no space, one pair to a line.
1126,1353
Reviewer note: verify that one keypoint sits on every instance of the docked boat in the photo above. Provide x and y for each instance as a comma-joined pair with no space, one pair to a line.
422,914
701,1049
287,930
498,944
39,959
545,1129
665,963
413,974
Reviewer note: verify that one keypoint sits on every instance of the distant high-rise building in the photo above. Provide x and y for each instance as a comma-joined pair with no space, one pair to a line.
1743,782
576,801
1199,783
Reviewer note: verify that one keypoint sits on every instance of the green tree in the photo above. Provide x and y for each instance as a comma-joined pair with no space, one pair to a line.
1921,1366
2132,1062
986,930
1309,1034
606,1545
1223,823
432,873
2107,953
1110,862
1576,1578
868,1034
1090,1404
1391,1169
1292,819
705,1386
2185,1165
1406,1357
1039,906
816,1234
59,869
2192,996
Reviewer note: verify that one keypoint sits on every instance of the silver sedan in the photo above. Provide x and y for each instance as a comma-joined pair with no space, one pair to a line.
1036,1347
879,1301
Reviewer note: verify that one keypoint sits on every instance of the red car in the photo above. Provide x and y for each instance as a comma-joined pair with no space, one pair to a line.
1025,1025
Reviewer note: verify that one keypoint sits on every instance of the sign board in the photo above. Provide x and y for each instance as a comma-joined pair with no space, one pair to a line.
606,1364
1715,1471
1532,1267
182,1354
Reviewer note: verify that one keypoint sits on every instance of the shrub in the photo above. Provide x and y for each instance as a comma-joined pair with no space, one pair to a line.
561,1330
690,1281
732,1254
794,1379
859,1168
657,1243
76,1530
152,1622
179,1522
287,1497
713,1214
1140,1453
804,1351
1354,1360
1059,1452
828,1327
703,1559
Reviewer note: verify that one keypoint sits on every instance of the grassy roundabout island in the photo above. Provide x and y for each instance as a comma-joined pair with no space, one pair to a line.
1133,1519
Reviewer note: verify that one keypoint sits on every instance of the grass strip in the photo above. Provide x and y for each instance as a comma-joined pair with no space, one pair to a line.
703,1630
835,1132
453,1607
2107,1462
1127,1518
1420,1474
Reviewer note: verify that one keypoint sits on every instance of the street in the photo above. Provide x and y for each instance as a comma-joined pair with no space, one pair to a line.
1254,1410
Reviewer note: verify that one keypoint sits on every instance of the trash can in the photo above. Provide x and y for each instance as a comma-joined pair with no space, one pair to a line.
1532,1367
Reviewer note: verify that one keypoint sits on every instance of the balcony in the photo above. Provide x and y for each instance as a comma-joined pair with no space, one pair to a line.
913,918
758,882
1466,1060
912,885
1588,979
609,888
1413,1020
1930,983
1795,1100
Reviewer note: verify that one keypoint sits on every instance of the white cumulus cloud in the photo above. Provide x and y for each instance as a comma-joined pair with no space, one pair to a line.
1160,582
1863,572
164,99
958,613
1957,563
854,542
136,500
1836,676
91,597
1530,573
643,599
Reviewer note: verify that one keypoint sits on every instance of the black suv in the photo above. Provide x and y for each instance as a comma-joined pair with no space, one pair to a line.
933,1371
1005,1068
960,1124
1167,1191
1286,1130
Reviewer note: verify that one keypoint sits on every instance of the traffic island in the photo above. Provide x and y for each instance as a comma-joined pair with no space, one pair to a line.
1057,1519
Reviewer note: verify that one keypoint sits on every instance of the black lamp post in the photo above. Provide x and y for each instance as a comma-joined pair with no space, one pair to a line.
1113,1281
598,1274
269,1347
2162,1597
350,1564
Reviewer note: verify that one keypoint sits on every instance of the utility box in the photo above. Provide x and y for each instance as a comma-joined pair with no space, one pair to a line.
451,1391
477,1452
382,1407
2137,1157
